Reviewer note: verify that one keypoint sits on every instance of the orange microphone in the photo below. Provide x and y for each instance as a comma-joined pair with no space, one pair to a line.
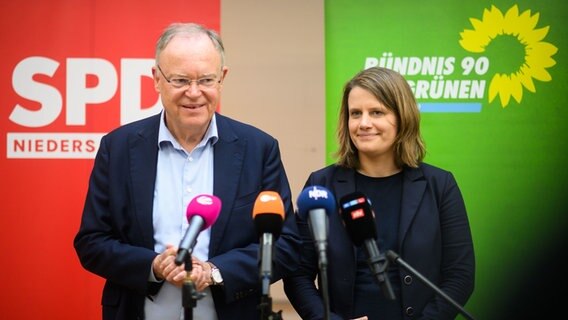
268,215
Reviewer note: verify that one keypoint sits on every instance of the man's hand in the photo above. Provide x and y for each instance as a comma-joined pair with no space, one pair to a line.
201,274
165,268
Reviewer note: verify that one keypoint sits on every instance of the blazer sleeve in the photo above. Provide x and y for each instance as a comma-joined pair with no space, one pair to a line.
103,244
458,262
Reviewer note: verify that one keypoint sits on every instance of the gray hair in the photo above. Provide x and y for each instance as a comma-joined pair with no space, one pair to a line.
175,29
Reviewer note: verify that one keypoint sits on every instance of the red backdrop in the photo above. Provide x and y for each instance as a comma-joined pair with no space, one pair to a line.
71,66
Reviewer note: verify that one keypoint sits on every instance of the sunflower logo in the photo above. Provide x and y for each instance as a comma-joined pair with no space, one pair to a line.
527,56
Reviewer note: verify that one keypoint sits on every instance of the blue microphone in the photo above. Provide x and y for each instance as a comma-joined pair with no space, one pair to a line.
314,204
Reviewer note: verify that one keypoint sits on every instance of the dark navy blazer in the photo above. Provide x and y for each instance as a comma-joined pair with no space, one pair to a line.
434,238
115,240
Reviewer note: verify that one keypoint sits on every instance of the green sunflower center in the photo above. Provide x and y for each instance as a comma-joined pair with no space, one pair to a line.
506,54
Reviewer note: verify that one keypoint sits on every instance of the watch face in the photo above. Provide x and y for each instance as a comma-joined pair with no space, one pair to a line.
216,275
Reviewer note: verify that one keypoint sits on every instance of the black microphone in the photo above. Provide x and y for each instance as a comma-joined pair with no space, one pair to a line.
315,203
268,215
201,213
359,220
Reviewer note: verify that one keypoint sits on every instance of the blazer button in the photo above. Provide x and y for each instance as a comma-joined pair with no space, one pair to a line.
409,311
407,280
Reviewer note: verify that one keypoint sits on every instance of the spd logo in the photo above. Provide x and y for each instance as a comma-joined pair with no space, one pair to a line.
70,102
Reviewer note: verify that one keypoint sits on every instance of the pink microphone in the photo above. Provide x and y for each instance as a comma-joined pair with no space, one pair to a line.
202,211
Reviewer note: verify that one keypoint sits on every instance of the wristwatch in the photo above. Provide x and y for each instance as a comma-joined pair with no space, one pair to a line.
216,278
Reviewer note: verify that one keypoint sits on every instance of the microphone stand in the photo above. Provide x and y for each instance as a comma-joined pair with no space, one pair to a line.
265,305
395,258
189,294
379,266
266,312
320,240
323,285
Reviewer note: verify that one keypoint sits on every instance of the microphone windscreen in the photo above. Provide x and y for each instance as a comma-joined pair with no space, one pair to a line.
315,197
358,217
206,206
268,213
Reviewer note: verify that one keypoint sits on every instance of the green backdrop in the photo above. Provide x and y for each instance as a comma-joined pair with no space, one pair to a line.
491,80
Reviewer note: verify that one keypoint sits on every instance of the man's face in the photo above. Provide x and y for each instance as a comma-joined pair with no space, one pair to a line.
190,98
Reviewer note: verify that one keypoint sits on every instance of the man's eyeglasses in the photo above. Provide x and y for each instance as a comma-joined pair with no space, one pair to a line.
205,82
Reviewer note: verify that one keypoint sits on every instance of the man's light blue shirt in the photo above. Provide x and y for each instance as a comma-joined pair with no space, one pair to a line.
181,175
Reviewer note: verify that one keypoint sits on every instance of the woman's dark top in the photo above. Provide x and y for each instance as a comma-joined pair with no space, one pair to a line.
385,194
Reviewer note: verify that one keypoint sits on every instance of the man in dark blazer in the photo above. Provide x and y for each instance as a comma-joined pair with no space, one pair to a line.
121,225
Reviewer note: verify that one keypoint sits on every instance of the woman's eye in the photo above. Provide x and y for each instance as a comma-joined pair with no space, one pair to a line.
354,113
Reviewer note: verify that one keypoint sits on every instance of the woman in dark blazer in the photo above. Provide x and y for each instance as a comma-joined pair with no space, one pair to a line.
419,212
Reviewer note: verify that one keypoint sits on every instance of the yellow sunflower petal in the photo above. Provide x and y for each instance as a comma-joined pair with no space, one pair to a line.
494,86
513,24
525,15
473,41
476,24
528,22
484,29
533,36
493,18
505,90
526,78
540,74
532,21
516,88
540,54
513,12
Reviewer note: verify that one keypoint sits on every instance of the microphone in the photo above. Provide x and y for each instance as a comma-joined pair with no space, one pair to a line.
268,215
359,220
201,213
314,204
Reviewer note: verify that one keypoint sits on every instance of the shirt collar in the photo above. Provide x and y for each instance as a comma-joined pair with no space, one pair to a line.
165,135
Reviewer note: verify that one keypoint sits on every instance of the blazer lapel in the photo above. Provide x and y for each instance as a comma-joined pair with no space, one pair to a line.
344,182
413,188
143,147
227,167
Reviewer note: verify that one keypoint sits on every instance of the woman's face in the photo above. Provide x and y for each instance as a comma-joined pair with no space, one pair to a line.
372,127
